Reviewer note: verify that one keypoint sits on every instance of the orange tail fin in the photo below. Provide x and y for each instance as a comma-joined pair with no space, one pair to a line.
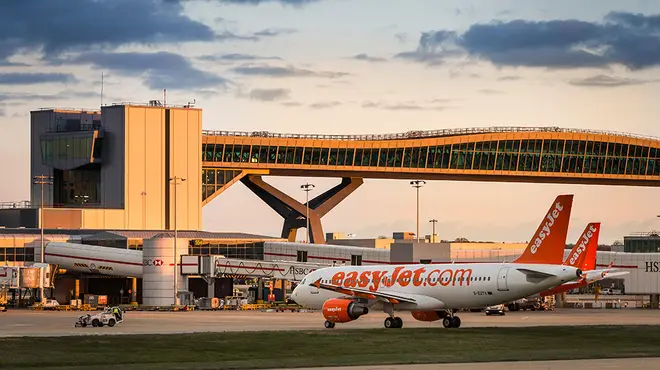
549,241
583,254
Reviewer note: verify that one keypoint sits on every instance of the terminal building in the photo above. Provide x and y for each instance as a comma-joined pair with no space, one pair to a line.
128,177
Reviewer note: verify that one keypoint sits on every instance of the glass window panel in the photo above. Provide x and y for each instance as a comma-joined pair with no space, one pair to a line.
245,154
366,157
645,152
414,159
332,159
359,154
375,153
590,148
382,161
582,146
423,152
599,148
477,160
324,156
499,163
479,146
454,159
446,155
349,157
307,156
290,155
341,157
272,154
407,157
391,156
624,150
229,149
298,155
316,155
398,157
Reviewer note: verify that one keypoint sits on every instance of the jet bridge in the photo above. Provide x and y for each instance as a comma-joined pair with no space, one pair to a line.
220,267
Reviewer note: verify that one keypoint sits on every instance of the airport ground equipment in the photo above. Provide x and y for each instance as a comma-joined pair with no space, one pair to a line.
107,317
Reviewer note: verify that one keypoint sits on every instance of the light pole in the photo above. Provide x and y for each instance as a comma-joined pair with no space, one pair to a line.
433,221
307,188
417,184
177,180
42,180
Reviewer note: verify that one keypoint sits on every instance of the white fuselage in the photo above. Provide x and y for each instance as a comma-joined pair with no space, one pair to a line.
435,286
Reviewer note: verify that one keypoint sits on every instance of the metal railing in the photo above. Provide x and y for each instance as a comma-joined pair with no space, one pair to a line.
17,205
420,134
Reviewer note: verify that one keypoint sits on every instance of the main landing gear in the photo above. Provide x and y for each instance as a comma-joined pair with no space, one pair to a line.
329,324
393,323
451,321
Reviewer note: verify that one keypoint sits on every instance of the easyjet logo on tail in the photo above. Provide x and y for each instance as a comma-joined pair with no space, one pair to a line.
549,240
583,243
547,226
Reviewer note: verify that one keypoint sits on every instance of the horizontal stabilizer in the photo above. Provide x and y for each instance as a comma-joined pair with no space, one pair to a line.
535,274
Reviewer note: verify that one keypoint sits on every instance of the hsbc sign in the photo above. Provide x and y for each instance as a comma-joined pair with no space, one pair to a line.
152,262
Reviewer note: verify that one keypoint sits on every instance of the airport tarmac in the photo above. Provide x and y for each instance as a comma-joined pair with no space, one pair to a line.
60,323
599,364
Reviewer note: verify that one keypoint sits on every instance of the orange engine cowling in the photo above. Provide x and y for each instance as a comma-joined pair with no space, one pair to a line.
428,315
342,310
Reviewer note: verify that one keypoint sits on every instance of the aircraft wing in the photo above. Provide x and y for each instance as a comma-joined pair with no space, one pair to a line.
364,293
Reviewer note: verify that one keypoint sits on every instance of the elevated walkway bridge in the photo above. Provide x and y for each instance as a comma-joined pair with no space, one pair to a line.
501,154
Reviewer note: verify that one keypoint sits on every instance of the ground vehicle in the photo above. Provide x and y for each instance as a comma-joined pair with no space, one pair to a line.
3,299
438,291
106,317
495,310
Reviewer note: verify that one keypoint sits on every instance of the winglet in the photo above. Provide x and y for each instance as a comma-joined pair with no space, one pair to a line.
549,241
583,254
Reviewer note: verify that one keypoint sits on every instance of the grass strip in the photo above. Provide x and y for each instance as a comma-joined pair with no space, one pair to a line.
272,349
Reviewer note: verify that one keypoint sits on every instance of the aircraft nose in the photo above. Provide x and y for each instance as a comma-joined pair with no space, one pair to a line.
294,295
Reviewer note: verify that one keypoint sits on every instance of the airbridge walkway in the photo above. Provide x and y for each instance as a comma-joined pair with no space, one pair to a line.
501,154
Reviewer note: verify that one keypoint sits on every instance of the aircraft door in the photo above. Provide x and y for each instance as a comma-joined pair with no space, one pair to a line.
501,279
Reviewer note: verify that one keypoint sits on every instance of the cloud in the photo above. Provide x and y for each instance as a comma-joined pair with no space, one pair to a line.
292,104
268,95
56,26
368,58
35,78
2,112
508,78
606,81
402,37
158,70
289,71
272,32
295,3
234,57
325,105
625,39
404,106
230,36
22,97
491,92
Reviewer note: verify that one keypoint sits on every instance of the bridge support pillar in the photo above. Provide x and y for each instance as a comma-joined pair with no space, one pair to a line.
294,212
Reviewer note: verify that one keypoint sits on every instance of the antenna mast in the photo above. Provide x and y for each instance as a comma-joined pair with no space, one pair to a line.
101,88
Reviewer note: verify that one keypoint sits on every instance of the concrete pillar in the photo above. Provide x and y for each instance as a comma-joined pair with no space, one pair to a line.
655,301
260,289
211,288
134,290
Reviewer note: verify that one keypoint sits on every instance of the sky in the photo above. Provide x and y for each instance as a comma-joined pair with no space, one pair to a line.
353,67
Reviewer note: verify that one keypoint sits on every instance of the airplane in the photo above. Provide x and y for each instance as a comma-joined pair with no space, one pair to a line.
583,256
437,291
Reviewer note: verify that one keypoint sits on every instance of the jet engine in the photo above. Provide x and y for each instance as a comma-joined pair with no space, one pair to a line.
342,310
428,315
